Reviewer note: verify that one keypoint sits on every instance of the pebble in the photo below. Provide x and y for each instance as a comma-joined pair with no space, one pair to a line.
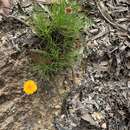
94,31
97,116
88,117
128,83
104,125
57,107
128,54
128,65
56,113
0,18
104,63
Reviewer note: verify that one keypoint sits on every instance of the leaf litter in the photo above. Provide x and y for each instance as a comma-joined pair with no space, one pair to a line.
100,100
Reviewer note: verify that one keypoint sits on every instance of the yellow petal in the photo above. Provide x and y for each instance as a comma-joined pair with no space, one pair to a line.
30,87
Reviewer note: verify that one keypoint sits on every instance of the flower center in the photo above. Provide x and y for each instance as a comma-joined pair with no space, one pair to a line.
30,87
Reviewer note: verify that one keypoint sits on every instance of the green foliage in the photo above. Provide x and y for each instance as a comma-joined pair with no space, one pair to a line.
58,30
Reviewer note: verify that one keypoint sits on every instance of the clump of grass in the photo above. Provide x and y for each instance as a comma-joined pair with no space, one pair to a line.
58,26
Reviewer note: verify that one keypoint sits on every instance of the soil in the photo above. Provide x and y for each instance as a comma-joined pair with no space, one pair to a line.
99,89
19,111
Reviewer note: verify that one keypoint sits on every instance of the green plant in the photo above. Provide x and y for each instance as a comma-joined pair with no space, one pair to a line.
58,27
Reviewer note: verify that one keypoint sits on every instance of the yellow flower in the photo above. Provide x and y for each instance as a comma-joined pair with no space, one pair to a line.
30,87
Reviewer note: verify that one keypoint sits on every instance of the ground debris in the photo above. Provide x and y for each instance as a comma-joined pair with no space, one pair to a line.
103,95
99,99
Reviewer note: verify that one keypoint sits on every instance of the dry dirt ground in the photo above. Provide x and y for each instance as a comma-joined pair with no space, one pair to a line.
17,110
99,99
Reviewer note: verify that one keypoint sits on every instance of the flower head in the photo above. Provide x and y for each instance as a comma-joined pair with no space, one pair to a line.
30,87
68,10
78,1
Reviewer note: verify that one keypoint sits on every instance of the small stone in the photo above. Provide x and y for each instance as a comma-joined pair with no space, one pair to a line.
62,116
39,122
88,117
65,82
128,54
97,75
128,65
97,116
57,107
104,125
77,80
128,83
0,18
108,108
104,63
73,124
122,48
129,74
56,113
94,31
111,114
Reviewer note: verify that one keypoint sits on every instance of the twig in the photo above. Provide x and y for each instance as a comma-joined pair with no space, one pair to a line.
98,35
105,16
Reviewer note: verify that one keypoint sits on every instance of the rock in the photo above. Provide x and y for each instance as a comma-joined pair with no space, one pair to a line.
73,124
77,80
128,65
94,31
104,63
56,113
57,107
128,54
108,107
128,83
88,117
0,18
123,47
104,125
97,116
